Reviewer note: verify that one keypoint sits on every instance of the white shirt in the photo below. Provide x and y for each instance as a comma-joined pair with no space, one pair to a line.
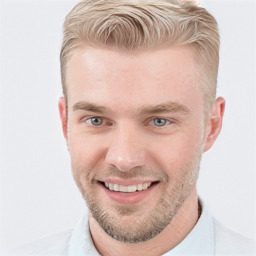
208,238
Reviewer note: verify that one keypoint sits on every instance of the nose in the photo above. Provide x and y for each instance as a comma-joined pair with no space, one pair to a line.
126,150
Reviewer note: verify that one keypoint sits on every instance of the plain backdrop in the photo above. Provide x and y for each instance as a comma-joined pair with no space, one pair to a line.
38,196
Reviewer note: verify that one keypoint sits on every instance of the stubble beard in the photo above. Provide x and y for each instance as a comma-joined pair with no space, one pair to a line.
130,223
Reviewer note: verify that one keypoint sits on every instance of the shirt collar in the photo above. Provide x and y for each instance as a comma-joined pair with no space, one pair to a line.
200,241
81,242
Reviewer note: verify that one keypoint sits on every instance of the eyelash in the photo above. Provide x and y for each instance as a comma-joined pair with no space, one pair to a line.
105,122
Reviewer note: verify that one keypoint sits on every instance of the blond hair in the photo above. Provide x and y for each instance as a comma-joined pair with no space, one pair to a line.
139,24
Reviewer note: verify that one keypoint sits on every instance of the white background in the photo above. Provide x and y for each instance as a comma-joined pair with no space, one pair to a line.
38,196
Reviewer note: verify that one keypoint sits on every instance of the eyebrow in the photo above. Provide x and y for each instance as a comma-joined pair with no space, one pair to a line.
87,106
169,107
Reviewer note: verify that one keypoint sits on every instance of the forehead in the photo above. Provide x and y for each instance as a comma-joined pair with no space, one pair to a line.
108,76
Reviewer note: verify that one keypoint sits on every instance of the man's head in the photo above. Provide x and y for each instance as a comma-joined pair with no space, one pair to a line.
138,77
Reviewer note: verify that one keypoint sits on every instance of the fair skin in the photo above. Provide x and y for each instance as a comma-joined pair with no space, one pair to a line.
135,119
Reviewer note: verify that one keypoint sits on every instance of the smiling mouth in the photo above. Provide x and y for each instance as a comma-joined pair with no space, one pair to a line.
128,189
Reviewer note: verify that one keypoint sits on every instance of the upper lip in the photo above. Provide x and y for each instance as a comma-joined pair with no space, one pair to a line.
127,182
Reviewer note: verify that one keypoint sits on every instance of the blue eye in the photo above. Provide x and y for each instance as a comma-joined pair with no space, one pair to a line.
159,122
94,121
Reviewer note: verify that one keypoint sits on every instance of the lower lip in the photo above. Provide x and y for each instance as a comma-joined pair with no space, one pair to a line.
128,198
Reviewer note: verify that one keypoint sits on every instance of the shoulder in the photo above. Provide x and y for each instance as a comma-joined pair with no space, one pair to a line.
56,245
228,242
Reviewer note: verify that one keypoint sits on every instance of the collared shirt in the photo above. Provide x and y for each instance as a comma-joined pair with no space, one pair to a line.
201,240
207,238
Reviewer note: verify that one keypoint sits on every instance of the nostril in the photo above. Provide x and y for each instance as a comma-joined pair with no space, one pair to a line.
124,162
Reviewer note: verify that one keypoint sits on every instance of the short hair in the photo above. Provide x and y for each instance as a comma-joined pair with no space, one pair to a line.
139,24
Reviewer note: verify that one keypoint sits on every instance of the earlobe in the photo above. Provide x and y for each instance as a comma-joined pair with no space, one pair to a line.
63,115
215,123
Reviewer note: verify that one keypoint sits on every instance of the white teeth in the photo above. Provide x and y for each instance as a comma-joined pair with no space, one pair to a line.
123,188
111,186
116,187
127,189
132,188
140,187
145,186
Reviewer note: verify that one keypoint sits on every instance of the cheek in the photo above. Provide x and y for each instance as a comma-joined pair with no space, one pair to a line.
177,152
87,154
83,148
81,163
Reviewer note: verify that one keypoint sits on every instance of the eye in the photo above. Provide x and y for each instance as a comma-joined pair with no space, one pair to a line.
159,122
94,121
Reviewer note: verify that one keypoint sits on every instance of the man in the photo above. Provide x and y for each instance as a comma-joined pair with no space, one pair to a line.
139,109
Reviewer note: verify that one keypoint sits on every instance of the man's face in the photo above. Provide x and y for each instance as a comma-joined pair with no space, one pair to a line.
135,133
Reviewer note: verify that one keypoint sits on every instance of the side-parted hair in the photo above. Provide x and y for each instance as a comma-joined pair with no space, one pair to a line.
145,24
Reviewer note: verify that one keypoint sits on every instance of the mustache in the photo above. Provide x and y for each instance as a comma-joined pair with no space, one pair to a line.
137,172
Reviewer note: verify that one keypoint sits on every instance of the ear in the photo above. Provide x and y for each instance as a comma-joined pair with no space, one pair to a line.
215,123
63,115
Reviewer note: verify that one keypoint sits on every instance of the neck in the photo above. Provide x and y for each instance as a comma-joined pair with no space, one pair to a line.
172,235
